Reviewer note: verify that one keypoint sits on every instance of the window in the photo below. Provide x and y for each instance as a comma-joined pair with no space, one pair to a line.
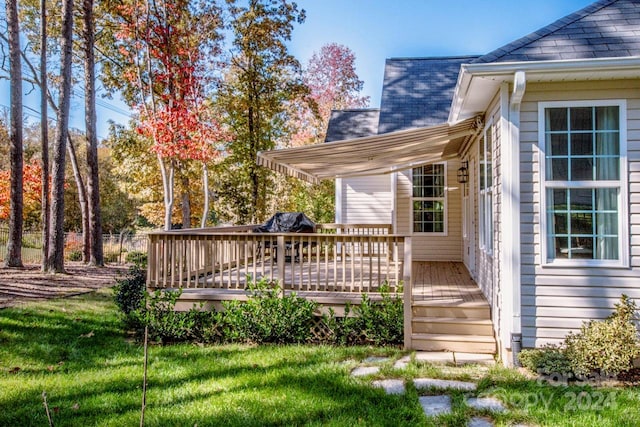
485,194
429,201
584,179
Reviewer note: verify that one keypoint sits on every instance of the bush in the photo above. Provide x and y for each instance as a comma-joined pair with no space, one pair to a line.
129,295
75,255
373,322
548,360
110,256
608,346
268,317
167,325
138,258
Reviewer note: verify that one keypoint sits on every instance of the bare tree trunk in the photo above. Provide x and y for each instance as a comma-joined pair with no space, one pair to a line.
82,199
186,203
205,190
14,244
167,186
55,258
44,132
93,182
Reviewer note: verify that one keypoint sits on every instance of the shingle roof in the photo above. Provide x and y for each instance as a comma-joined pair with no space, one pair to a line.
606,28
418,91
356,123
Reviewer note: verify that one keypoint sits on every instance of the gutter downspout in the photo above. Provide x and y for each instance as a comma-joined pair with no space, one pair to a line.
512,190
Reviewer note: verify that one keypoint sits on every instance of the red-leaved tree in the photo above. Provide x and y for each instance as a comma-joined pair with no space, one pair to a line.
168,50
334,85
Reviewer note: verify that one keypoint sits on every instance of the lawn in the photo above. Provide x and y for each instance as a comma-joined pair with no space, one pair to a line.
75,350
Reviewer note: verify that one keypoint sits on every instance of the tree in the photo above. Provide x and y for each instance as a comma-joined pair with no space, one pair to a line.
333,83
14,244
93,180
55,258
263,79
167,51
44,134
32,192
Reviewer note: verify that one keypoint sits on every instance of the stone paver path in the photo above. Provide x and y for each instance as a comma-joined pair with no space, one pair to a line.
480,422
490,403
435,405
454,385
362,371
441,404
376,359
390,386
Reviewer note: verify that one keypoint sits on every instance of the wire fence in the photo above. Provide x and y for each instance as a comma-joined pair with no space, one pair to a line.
115,246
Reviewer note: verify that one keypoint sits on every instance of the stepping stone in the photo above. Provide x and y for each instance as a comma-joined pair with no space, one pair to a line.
480,422
435,405
441,357
490,403
390,386
361,371
376,359
402,362
474,358
455,385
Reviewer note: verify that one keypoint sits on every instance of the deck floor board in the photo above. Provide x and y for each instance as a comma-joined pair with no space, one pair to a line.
446,282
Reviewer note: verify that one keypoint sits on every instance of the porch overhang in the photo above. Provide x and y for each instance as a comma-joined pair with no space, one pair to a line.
373,155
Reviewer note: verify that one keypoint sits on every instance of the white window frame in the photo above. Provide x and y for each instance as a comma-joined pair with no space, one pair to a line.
622,184
485,196
444,200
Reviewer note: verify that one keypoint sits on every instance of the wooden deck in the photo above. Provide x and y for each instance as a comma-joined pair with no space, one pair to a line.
444,281
438,282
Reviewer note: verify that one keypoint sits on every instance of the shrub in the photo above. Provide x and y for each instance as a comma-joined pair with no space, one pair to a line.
608,346
373,322
138,258
110,256
550,359
75,255
129,295
268,316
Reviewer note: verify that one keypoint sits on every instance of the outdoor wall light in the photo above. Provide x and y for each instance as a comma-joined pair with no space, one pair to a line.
463,173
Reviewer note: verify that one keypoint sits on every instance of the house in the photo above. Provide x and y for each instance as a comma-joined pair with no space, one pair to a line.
523,164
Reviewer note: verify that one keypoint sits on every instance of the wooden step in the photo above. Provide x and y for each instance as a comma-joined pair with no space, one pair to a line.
448,308
459,343
452,326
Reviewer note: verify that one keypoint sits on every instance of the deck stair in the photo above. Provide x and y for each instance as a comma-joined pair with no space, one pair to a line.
452,325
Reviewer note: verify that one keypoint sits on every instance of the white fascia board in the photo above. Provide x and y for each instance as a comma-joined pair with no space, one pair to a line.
473,78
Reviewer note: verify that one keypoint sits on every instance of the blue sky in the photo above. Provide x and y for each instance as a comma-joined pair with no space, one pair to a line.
376,30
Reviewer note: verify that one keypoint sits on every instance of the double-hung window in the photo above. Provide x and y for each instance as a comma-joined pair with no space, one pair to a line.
584,183
429,201
485,194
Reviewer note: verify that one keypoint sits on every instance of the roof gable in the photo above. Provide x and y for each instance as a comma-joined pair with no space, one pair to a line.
417,92
604,29
355,123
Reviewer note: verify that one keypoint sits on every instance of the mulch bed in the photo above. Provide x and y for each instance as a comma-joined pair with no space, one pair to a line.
20,285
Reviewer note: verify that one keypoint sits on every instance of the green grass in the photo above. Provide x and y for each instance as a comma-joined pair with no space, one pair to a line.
75,350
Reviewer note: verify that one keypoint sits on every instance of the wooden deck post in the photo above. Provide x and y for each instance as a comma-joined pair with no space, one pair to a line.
281,253
408,292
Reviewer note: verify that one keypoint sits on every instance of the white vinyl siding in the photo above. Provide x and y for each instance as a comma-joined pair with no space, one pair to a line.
556,300
366,200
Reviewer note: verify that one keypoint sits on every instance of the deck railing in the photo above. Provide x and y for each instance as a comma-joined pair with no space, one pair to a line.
339,258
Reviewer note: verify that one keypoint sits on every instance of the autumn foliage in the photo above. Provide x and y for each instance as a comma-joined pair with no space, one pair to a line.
32,191
165,61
